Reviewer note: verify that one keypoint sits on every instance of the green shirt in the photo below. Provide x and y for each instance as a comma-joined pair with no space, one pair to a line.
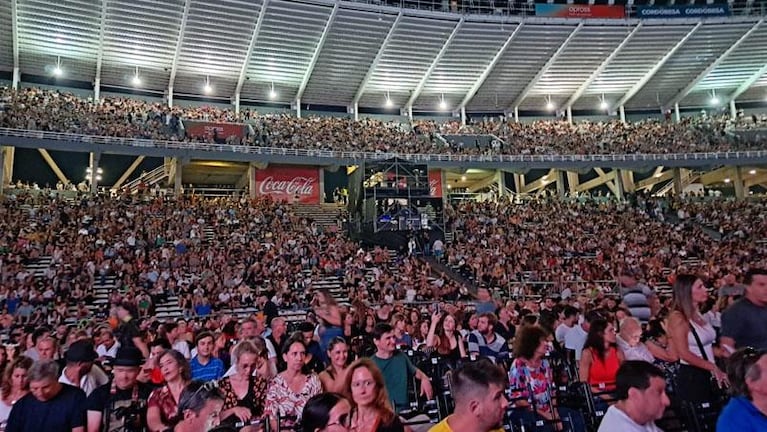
396,371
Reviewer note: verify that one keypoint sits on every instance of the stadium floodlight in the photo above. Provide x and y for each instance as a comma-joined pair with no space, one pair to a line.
208,89
389,102
603,105
550,105
58,71
442,103
272,92
752,172
727,180
714,99
136,81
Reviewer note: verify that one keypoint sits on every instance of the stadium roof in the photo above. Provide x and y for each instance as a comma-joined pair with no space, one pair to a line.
337,53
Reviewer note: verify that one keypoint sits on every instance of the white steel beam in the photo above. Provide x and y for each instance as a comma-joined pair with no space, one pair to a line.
251,47
128,172
376,60
179,42
521,97
421,84
100,52
745,85
317,50
688,88
602,66
489,68
15,40
654,70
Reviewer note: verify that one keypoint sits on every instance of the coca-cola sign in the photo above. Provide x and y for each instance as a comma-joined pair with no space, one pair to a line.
291,184
435,183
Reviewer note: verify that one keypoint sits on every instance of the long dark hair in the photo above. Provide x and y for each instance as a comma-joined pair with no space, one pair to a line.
596,338
683,295
316,412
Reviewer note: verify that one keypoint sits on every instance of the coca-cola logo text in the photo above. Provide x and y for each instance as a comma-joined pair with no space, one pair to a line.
433,183
294,186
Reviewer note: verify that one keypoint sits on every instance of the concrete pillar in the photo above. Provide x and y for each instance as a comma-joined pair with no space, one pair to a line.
501,179
16,78
237,104
410,113
678,181
570,115
298,108
561,192
519,183
733,109
97,91
619,188
95,158
322,184
170,97
573,180
677,116
463,116
356,109
622,113
8,160
627,177
740,190
177,187
252,180
516,114
2,171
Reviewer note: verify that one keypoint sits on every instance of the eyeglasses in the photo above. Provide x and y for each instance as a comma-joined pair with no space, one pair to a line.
207,387
365,383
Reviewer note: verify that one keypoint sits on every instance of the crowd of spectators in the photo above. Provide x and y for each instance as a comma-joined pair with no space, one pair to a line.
45,110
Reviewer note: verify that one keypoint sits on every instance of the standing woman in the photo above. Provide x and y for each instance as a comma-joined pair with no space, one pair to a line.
693,338
162,405
334,377
366,388
329,314
15,386
291,388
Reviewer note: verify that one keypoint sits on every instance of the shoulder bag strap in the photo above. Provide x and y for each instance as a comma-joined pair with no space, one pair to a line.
697,339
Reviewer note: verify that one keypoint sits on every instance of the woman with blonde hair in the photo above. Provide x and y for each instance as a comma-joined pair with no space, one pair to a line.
365,387
693,338
245,394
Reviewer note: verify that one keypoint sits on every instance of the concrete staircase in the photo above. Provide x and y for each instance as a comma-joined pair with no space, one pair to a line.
326,215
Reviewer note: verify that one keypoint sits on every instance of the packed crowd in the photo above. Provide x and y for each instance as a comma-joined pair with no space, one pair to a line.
36,109
731,218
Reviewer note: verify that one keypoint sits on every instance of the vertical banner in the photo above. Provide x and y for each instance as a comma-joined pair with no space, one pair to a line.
435,183
289,184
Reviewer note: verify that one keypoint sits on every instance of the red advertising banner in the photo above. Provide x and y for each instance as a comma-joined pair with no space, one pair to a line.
221,130
435,183
580,11
290,184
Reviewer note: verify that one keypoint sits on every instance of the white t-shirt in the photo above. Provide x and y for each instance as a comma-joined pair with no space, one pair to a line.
575,339
616,420
561,332
103,351
183,347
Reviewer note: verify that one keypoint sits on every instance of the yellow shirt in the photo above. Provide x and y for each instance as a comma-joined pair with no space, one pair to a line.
444,427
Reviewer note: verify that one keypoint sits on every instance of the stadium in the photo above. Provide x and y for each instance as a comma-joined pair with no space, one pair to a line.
459,215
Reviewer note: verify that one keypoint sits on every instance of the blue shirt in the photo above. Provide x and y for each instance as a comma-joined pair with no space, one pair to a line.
740,415
214,370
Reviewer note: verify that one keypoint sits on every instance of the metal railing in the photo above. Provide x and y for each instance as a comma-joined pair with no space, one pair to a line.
362,155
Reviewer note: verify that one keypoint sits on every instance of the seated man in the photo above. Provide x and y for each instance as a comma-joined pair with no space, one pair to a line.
485,341
641,393
198,408
480,399
395,366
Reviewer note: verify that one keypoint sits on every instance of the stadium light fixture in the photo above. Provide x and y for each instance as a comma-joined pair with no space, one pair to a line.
272,92
714,98
752,172
389,102
727,180
442,103
463,178
58,71
549,104
136,81
208,88
603,105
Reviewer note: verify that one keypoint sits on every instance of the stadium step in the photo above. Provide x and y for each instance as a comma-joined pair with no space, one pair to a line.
325,215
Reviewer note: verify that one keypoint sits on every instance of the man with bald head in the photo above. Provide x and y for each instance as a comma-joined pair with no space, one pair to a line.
630,341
